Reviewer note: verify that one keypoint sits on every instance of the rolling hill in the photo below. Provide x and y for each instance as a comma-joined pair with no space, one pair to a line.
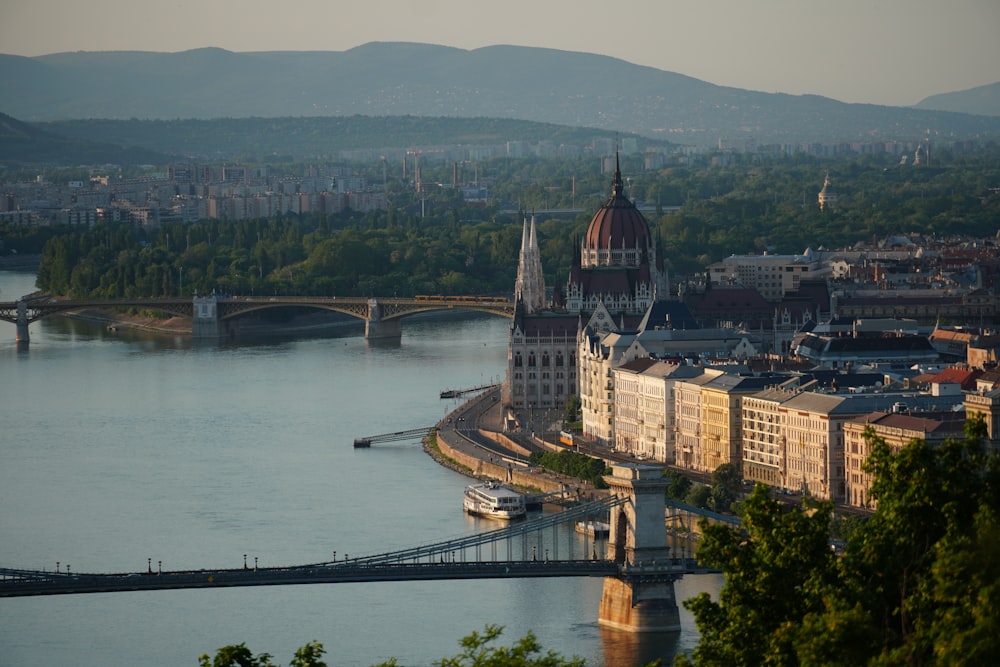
409,79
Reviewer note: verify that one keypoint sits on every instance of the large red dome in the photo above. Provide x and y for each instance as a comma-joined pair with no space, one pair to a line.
618,224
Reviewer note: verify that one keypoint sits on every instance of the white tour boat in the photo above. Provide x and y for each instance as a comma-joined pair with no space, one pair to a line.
491,499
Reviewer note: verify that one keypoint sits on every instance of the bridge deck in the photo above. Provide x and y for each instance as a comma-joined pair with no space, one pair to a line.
459,558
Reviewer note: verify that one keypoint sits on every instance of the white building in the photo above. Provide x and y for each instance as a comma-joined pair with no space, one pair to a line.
644,421
771,275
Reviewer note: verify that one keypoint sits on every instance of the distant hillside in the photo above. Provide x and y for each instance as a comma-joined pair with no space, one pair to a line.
22,143
983,100
303,139
406,79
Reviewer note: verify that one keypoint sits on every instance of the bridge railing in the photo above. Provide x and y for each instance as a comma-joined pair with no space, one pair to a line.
461,548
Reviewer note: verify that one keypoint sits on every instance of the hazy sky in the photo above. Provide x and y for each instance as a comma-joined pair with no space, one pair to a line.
878,51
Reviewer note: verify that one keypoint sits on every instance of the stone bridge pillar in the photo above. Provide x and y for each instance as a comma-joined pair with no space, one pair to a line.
642,598
205,321
376,327
21,335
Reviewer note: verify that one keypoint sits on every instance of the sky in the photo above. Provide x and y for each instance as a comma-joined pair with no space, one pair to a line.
893,52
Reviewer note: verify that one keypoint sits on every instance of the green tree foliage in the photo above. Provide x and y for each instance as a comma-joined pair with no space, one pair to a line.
774,567
572,464
726,483
917,583
434,243
679,485
698,495
239,655
478,650
572,413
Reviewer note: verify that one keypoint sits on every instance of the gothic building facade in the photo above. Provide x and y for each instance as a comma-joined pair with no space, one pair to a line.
615,279
541,354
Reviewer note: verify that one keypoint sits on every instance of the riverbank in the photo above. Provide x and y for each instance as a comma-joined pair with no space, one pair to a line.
450,449
113,321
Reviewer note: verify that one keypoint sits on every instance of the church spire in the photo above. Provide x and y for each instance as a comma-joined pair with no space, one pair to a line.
530,287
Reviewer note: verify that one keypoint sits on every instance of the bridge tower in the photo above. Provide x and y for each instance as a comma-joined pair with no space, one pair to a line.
642,598
376,327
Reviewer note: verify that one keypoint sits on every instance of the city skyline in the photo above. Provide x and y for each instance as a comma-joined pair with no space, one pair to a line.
895,52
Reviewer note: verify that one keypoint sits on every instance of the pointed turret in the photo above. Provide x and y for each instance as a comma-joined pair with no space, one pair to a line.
530,287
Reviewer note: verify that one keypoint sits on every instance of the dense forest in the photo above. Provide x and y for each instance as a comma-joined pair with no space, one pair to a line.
439,244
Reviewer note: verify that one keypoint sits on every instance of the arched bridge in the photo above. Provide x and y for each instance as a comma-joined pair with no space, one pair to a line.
638,567
217,316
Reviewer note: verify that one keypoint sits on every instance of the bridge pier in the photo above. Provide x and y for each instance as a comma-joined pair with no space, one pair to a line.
205,318
642,598
21,336
378,328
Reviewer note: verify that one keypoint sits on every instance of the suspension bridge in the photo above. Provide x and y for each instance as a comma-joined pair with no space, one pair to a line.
636,563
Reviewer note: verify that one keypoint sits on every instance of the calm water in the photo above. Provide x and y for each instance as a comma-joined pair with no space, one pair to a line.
120,447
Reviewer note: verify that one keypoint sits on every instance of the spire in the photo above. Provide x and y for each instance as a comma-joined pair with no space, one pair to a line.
618,185
530,287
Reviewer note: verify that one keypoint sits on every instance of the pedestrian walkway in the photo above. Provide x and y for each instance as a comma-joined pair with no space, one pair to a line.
483,418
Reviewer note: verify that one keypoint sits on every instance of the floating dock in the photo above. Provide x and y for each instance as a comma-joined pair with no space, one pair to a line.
411,434
456,393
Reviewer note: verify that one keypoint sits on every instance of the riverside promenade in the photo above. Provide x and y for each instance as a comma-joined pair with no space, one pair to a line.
472,441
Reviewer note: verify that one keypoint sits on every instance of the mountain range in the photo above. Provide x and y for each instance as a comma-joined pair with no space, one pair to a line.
510,82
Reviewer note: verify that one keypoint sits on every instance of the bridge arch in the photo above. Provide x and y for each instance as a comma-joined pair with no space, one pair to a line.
381,315
216,316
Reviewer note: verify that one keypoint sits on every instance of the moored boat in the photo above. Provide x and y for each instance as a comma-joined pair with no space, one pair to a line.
492,500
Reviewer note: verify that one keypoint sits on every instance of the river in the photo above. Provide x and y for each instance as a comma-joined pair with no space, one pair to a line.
120,449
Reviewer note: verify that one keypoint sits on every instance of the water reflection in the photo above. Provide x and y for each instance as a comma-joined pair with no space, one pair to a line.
630,648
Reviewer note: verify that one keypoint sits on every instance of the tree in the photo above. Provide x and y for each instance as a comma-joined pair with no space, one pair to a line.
679,485
477,651
917,584
726,482
527,652
309,656
237,655
572,409
698,495
774,566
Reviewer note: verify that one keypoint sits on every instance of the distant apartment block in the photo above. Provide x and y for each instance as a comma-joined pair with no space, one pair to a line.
771,275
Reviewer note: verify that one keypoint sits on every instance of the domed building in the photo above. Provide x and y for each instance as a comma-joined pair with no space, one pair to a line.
616,278
618,266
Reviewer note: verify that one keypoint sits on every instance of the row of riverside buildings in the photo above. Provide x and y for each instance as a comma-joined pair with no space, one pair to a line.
788,404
